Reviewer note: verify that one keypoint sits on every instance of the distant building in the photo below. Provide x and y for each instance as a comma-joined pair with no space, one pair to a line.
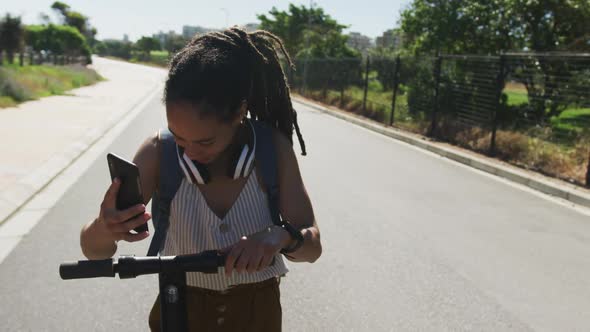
189,32
359,42
392,38
163,37
126,38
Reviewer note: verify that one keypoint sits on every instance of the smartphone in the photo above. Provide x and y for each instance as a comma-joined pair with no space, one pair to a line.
130,192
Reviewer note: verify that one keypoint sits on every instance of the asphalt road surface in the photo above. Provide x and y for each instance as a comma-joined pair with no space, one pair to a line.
412,242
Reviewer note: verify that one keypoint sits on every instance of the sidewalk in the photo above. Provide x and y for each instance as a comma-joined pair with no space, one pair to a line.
41,138
533,180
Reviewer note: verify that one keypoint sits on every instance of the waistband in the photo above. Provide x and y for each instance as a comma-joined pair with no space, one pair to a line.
236,289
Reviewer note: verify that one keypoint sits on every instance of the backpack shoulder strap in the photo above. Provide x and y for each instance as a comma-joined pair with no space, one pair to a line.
267,161
170,178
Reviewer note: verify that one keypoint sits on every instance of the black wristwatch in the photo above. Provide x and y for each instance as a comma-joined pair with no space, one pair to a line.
295,235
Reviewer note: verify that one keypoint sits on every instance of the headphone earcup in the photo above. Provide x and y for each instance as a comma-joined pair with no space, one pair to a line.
243,155
238,165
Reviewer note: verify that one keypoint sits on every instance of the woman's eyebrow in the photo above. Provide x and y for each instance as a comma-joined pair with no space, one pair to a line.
197,141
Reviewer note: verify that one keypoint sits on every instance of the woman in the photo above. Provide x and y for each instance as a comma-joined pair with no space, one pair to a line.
221,202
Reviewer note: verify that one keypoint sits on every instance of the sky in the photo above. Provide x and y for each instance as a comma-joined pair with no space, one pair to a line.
136,18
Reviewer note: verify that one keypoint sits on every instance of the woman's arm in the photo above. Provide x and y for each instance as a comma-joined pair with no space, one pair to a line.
294,203
255,252
98,238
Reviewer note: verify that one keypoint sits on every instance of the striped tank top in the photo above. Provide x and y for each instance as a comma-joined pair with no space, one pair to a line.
194,228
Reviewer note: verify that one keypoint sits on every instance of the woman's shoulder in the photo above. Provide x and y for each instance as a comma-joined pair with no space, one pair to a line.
148,161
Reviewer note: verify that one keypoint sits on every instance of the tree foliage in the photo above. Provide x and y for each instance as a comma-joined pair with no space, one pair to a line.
494,26
307,32
11,36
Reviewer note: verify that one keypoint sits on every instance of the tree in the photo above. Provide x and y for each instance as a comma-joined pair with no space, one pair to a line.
174,43
383,62
147,44
11,36
76,20
115,48
496,26
493,26
307,31
455,26
58,39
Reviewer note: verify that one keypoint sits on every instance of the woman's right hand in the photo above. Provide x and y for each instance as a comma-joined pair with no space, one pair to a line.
117,224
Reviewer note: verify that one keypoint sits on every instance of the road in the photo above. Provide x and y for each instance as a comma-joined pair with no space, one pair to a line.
412,242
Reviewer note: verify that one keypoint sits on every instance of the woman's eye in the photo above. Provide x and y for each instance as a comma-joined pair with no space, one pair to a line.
206,143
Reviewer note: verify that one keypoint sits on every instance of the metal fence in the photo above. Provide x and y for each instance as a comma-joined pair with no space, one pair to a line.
532,110
41,58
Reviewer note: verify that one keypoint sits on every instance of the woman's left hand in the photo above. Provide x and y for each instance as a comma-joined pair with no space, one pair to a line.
255,252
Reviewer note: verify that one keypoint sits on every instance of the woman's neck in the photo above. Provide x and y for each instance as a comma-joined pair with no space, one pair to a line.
219,167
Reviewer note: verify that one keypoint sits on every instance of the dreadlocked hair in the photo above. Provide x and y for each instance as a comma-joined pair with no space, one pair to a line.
222,69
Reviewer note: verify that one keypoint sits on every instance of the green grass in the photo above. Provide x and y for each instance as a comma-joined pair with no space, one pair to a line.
572,120
157,58
19,84
516,98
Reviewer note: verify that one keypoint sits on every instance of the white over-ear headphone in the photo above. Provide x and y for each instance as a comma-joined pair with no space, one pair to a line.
241,165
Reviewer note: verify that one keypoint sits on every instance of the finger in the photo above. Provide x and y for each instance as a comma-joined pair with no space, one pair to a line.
137,221
118,217
110,197
125,215
124,227
130,237
231,258
255,262
265,262
243,260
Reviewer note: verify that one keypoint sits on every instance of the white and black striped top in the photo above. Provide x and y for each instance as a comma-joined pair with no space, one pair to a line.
194,228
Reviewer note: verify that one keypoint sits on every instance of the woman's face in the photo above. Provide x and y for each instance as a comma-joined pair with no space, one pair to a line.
203,138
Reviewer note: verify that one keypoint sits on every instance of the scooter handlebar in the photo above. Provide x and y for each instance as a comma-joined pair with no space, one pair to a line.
131,266
87,269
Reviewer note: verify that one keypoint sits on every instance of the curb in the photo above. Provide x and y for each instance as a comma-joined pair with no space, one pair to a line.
18,194
506,172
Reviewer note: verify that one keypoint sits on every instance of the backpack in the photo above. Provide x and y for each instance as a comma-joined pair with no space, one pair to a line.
171,177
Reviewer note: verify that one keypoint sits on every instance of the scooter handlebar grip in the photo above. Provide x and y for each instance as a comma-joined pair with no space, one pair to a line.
87,269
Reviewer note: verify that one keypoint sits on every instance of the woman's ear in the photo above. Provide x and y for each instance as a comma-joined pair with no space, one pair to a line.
243,109
242,112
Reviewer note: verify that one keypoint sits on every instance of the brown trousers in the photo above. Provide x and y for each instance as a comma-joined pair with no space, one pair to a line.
248,307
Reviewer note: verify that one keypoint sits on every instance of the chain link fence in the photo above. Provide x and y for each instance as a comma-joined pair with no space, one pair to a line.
532,110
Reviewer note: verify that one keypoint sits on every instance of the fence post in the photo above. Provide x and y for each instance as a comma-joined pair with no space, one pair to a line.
436,72
304,81
395,84
342,85
32,58
499,87
366,84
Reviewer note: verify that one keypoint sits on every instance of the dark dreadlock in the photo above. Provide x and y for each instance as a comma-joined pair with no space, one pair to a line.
225,68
